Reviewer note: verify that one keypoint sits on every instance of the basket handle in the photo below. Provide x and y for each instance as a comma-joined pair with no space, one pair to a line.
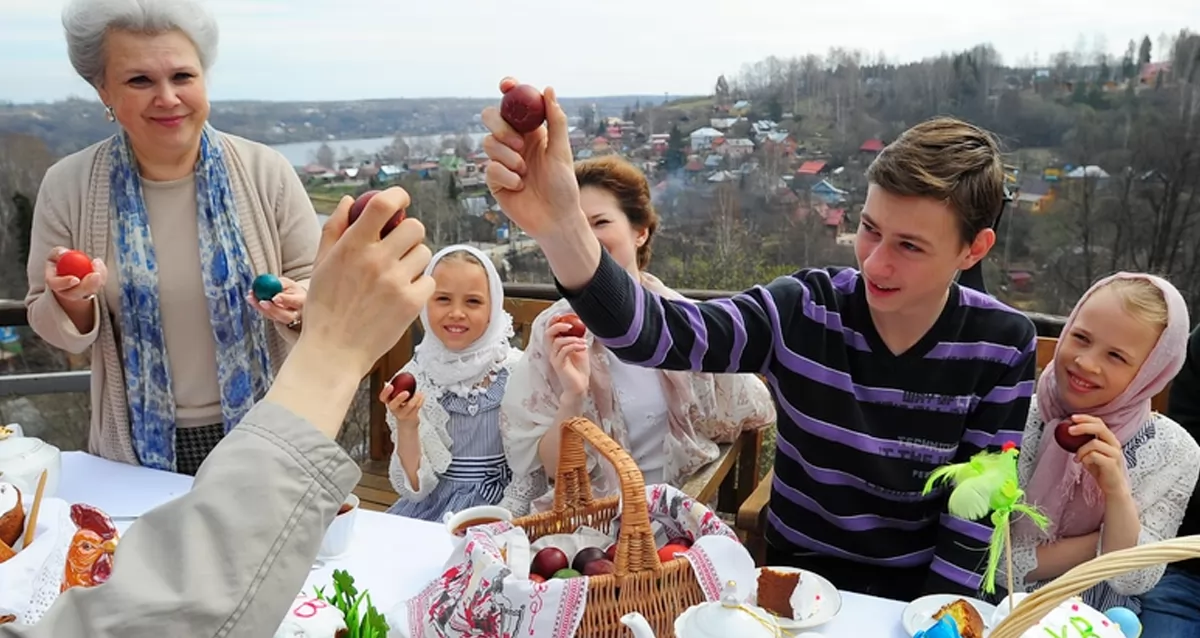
1034,608
636,550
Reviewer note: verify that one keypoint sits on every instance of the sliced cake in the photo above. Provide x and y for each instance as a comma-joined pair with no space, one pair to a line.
970,623
775,591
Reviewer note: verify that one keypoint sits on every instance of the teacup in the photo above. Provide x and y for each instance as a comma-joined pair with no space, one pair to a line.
341,530
457,523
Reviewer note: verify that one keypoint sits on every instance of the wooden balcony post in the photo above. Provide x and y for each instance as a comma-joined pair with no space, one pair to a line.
380,439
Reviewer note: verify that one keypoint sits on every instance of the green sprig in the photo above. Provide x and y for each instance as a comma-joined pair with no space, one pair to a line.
362,619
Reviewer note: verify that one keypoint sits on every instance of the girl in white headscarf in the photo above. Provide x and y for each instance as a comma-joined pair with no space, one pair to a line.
448,451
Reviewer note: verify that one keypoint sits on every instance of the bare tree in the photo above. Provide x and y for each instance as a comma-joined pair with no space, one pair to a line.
726,221
325,156
397,151
23,161
721,91
464,146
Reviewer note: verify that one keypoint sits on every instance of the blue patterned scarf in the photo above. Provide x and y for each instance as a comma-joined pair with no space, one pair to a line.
243,370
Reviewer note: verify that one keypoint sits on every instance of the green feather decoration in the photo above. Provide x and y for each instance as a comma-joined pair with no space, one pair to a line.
988,483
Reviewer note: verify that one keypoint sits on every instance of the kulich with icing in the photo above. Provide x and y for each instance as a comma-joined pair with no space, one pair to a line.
12,514
1071,619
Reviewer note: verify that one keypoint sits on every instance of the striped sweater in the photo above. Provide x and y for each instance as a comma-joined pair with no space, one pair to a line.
860,429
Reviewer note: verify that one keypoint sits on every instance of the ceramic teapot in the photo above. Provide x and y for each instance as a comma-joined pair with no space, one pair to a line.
22,460
714,620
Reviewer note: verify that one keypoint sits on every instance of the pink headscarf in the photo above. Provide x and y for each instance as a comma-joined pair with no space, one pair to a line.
1058,481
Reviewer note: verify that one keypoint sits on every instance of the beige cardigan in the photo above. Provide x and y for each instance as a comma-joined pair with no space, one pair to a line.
279,226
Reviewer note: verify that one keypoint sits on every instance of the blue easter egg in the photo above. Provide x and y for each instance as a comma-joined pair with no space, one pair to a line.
266,286
944,628
1126,620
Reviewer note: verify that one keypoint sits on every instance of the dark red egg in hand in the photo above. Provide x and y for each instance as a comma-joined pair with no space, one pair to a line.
360,204
577,328
403,382
523,108
1066,440
74,263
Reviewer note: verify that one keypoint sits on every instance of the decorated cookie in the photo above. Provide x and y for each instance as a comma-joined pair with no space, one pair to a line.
311,617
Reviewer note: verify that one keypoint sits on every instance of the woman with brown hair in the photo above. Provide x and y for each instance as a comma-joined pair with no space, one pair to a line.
670,422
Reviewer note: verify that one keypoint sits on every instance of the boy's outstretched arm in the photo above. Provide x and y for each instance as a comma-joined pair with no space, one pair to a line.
734,334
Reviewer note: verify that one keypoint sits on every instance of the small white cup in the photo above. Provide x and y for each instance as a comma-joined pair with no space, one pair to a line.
491,512
340,532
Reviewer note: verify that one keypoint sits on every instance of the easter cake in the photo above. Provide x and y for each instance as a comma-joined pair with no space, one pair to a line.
1071,619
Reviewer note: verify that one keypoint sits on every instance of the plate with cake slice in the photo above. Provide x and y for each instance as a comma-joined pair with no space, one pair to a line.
968,613
798,598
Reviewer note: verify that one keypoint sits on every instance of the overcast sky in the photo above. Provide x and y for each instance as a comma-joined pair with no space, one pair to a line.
356,49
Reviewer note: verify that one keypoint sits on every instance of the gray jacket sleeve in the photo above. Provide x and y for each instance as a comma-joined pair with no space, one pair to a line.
227,558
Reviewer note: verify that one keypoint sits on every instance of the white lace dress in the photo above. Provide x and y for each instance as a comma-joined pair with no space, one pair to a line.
1163,462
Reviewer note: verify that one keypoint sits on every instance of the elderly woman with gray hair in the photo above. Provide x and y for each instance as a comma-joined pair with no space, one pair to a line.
185,217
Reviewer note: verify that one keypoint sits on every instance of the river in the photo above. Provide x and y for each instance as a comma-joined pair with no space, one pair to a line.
302,153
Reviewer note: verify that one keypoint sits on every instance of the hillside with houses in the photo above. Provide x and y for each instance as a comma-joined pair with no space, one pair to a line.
767,174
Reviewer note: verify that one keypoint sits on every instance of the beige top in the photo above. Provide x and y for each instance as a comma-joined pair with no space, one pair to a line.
191,347
281,232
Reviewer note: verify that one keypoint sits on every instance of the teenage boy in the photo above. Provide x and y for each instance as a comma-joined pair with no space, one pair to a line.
879,374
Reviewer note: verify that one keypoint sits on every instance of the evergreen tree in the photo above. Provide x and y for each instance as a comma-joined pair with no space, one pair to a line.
23,221
675,156
1144,52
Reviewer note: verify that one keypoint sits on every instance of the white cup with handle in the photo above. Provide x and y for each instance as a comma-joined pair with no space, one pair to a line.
341,531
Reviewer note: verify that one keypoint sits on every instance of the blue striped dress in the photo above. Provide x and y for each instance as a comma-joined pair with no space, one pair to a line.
478,472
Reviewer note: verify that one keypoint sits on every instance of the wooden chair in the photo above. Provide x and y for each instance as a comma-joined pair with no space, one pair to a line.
717,479
752,514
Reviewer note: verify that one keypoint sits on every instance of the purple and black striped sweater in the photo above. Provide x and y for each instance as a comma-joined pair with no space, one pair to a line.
860,429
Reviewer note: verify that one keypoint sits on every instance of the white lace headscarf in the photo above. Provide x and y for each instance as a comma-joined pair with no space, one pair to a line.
460,371
465,372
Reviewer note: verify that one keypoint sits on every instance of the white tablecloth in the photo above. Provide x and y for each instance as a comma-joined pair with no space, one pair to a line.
391,556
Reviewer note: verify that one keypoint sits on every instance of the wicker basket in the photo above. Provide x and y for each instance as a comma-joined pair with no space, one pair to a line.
1038,604
642,583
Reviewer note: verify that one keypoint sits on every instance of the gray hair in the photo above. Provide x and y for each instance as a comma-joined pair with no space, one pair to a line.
87,22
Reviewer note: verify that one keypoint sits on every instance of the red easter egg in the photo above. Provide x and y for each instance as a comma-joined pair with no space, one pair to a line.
74,263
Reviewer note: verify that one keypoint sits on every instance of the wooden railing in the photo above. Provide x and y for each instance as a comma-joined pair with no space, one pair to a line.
12,313
731,480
